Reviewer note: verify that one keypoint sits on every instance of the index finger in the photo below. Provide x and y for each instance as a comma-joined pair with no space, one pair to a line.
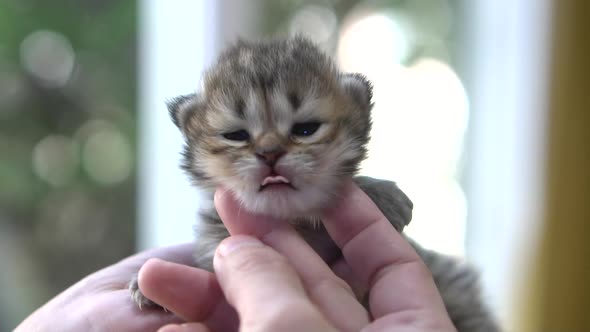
380,257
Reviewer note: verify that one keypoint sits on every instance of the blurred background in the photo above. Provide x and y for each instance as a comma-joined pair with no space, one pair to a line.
465,120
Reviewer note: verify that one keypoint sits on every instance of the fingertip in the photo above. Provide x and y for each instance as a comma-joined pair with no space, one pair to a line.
170,328
239,220
350,214
175,286
351,199
222,198
227,207
148,273
186,327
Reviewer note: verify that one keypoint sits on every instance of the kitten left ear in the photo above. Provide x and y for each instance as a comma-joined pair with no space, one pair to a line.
181,108
359,88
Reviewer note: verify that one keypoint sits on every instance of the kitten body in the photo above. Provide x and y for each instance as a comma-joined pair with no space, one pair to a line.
277,124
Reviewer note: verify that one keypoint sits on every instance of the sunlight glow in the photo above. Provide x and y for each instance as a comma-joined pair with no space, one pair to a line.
419,120
373,41
317,22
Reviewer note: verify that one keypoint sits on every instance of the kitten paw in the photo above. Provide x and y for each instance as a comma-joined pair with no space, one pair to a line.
389,198
137,296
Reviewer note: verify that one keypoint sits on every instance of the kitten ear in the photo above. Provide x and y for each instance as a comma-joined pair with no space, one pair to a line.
359,88
182,107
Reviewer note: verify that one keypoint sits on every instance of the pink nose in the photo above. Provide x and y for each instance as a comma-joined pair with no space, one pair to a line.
270,157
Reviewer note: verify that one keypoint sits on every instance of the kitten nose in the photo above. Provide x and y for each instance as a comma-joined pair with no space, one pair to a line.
270,157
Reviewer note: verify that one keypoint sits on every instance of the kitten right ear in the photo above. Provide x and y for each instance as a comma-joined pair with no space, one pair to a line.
359,88
182,107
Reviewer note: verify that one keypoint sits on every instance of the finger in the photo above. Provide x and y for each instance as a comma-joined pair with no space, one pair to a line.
341,268
263,287
186,327
332,295
121,274
176,287
380,257
188,292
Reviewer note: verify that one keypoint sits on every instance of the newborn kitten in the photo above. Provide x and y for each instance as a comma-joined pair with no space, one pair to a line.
278,125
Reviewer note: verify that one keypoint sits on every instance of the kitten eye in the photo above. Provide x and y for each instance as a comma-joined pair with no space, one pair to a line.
238,135
305,128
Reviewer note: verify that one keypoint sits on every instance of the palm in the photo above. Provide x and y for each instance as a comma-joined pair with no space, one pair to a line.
101,301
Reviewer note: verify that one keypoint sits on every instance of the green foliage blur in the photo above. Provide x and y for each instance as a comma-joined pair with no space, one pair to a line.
67,145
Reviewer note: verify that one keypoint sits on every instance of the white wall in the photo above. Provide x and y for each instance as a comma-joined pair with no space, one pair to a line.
177,41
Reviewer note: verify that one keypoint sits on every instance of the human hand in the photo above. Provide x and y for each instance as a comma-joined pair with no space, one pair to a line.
278,283
101,301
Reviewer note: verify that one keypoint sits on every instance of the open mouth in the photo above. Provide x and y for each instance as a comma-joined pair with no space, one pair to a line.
276,181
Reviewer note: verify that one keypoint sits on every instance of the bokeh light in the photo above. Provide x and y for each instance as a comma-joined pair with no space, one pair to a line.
431,17
106,154
48,56
317,22
371,42
426,107
64,64
419,121
55,159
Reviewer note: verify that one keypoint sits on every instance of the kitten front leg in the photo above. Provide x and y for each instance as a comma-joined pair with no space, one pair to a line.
210,231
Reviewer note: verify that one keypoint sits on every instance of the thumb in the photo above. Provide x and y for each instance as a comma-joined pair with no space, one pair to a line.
264,289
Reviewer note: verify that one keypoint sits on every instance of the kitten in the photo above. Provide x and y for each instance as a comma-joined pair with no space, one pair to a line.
278,125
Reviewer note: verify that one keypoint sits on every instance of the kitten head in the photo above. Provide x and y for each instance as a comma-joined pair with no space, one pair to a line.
277,124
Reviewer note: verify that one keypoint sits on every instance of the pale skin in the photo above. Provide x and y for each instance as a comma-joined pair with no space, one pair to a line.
266,275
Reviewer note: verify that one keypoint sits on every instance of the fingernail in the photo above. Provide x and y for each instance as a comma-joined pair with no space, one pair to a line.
235,242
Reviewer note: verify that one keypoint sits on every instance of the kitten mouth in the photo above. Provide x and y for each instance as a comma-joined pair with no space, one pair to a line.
275,179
